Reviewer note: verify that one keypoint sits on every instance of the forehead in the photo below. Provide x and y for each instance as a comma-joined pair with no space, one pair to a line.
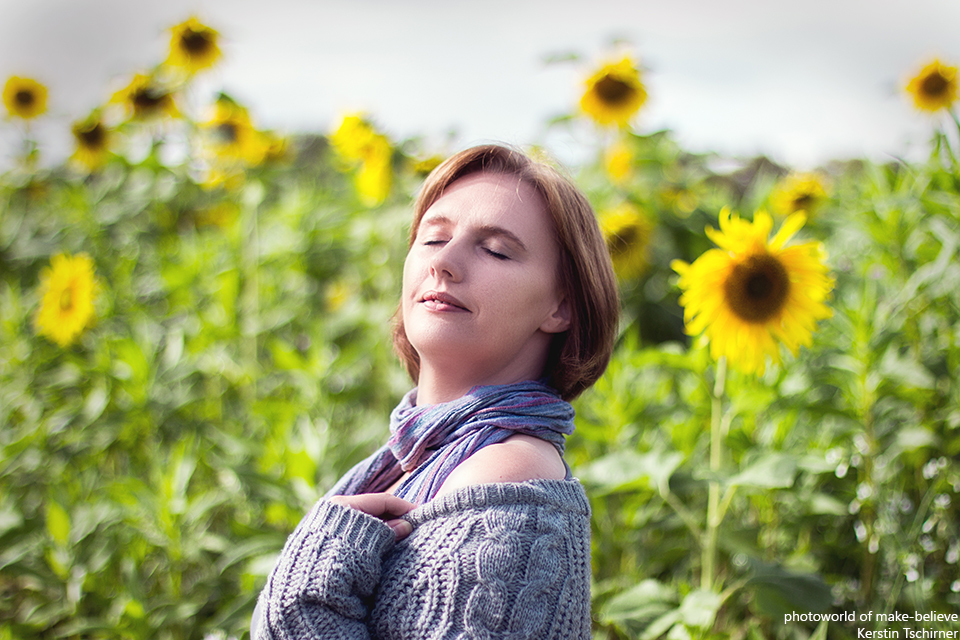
489,197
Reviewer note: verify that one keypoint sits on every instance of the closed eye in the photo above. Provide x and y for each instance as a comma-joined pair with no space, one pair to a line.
497,254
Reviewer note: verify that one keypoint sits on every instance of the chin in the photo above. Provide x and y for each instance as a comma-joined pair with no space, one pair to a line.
440,339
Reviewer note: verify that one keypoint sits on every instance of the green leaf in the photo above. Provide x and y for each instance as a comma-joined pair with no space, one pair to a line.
699,608
662,625
820,633
58,523
905,371
821,503
915,437
778,590
770,471
628,469
96,401
642,602
10,517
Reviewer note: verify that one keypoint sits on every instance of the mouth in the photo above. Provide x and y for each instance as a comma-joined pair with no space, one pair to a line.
440,301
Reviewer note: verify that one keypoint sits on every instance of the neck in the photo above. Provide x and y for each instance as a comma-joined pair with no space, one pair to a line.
446,376
433,387
441,385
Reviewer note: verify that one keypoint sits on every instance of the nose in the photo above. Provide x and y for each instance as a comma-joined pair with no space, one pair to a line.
446,263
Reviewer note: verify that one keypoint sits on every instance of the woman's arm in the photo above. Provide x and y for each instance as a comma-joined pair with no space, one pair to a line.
329,568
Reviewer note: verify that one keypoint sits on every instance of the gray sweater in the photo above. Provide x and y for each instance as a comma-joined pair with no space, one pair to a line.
490,561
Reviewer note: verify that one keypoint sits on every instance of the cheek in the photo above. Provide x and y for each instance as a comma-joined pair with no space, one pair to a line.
409,272
526,297
540,287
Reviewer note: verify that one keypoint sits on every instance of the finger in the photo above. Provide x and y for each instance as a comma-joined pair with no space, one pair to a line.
375,504
395,506
401,528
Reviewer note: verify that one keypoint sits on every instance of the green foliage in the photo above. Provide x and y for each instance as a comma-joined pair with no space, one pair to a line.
839,478
241,362
151,471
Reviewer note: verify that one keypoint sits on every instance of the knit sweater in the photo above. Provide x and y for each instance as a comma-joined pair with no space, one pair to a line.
491,561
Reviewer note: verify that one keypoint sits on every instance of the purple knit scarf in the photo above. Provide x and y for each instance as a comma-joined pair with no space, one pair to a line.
430,441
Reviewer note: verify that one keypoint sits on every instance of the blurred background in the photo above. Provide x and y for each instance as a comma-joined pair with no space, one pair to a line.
802,82
202,228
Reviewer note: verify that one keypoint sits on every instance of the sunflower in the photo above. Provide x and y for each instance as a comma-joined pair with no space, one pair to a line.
146,99
799,192
627,231
934,88
424,166
338,294
232,135
68,288
751,295
614,93
682,200
221,215
353,138
24,98
361,146
229,178
276,147
92,138
193,46
375,175
618,160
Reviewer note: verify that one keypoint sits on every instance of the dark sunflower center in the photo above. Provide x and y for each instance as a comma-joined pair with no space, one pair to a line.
757,288
226,133
802,201
148,99
25,98
934,84
613,91
92,136
623,239
196,43
66,300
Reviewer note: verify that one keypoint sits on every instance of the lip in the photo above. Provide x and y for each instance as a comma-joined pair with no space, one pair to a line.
442,301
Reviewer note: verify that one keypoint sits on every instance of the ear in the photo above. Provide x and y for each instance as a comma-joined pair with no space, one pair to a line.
559,320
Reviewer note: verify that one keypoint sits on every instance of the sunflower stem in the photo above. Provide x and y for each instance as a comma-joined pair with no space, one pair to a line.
944,141
954,157
688,517
30,148
715,511
250,304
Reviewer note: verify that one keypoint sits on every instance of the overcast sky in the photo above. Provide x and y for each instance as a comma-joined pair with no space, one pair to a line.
802,82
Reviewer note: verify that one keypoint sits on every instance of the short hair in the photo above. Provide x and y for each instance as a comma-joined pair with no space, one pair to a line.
579,355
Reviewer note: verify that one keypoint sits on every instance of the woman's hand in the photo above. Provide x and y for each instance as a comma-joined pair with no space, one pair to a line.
385,506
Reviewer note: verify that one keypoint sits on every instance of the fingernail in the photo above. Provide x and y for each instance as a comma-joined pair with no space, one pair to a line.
401,529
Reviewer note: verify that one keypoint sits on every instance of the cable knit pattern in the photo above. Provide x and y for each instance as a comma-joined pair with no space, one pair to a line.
492,561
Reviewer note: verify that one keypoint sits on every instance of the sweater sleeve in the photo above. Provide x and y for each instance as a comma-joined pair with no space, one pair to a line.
322,584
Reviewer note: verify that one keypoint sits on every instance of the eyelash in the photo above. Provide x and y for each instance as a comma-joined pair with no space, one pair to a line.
491,252
497,255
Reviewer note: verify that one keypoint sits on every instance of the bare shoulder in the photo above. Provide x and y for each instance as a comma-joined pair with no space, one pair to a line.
516,459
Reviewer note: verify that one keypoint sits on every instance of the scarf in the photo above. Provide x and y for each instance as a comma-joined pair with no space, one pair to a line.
430,441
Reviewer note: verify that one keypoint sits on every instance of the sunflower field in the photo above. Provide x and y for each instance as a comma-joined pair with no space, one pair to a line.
195,344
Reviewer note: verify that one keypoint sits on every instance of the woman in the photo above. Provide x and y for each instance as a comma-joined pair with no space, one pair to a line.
468,522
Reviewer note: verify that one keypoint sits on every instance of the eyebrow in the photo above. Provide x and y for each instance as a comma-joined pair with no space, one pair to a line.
485,230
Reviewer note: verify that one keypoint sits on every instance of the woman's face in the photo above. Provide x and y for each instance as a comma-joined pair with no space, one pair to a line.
480,290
